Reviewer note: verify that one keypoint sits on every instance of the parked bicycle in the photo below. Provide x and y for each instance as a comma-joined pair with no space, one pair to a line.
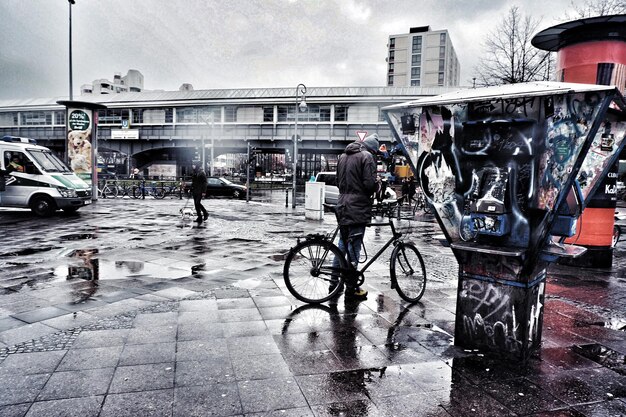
107,189
421,203
141,190
310,276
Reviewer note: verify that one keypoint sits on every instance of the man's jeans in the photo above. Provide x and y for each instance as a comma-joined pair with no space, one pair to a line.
354,234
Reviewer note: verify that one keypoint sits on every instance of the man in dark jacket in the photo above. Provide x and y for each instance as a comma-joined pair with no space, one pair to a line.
356,180
198,189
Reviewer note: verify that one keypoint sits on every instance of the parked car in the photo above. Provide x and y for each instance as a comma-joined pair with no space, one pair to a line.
330,189
221,187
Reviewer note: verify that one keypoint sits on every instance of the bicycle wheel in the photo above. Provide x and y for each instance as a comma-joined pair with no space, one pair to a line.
159,193
408,273
137,191
309,272
109,192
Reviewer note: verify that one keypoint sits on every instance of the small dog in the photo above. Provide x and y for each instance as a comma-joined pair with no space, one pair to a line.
186,214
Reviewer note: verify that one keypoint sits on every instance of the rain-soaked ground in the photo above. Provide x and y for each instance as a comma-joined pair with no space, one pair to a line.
127,310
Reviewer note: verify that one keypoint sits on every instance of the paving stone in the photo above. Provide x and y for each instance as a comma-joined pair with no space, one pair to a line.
150,320
198,305
197,350
100,338
260,367
204,372
90,358
31,363
75,384
143,377
242,329
147,403
252,345
25,333
270,394
207,400
148,353
156,334
17,388
71,407
18,410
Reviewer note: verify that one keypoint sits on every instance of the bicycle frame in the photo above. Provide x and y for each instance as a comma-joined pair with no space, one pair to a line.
392,240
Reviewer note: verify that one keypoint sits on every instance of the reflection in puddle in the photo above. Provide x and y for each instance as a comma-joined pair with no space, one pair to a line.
79,236
92,268
604,356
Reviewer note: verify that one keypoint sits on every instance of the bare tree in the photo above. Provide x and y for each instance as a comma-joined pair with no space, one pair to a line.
591,8
509,56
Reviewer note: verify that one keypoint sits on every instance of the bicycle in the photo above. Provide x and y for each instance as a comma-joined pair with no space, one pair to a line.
107,190
141,190
421,203
310,276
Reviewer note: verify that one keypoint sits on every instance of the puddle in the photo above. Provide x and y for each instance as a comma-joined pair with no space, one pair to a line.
248,284
604,356
28,251
86,265
78,236
279,257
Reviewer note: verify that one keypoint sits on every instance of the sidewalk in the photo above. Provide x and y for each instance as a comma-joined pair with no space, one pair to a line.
196,321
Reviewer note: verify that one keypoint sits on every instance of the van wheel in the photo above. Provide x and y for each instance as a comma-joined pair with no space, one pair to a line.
43,206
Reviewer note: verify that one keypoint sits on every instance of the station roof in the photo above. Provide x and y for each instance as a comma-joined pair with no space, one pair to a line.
531,89
241,95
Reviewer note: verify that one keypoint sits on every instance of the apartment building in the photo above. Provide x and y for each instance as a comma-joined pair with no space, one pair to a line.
422,58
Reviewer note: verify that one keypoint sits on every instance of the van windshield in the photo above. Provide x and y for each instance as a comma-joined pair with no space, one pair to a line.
48,161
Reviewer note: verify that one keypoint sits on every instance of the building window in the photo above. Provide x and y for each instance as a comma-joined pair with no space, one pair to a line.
268,113
416,59
391,66
442,65
341,112
324,113
415,72
442,52
112,116
36,118
417,44
59,117
440,80
230,114
392,56
153,115
10,119
392,43
186,115
442,39
390,80
415,83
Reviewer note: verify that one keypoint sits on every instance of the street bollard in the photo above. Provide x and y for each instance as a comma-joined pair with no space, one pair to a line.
287,196
143,189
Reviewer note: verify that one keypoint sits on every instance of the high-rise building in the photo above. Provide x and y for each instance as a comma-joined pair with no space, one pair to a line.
422,57
131,82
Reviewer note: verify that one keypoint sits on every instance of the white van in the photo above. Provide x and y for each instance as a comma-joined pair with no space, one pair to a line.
35,178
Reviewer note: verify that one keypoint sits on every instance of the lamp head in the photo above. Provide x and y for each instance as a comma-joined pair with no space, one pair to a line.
302,106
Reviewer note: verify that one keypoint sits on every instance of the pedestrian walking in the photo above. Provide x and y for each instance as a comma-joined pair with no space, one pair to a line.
198,190
356,180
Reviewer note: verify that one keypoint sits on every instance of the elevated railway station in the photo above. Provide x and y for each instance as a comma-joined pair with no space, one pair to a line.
163,131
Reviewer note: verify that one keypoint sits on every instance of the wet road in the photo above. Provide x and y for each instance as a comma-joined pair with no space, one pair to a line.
125,305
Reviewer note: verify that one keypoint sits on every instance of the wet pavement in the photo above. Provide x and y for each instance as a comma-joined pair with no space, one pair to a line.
126,310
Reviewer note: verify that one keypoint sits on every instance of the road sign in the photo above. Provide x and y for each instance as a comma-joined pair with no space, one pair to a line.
361,134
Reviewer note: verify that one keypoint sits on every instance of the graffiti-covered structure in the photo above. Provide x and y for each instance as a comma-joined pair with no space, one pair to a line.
507,170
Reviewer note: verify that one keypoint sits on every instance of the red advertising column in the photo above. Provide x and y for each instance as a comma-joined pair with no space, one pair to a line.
592,51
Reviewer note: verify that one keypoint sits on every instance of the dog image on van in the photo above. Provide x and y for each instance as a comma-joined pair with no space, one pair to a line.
79,150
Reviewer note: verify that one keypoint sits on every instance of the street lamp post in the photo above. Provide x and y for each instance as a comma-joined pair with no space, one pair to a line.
71,86
300,105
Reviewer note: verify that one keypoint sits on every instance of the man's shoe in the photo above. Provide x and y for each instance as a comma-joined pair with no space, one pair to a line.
356,293
199,220
206,216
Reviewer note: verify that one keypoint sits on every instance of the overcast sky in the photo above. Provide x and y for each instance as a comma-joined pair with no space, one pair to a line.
231,43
